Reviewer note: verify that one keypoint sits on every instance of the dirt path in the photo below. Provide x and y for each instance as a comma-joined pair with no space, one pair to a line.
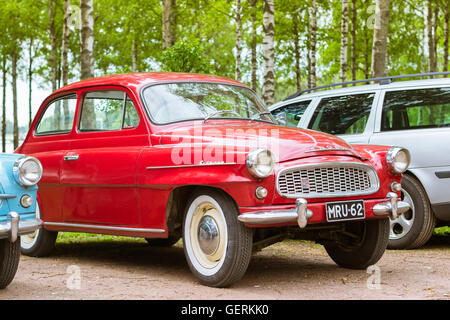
288,270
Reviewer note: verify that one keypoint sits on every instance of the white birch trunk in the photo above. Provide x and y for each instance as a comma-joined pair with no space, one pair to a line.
344,40
380,36
268,91
87,39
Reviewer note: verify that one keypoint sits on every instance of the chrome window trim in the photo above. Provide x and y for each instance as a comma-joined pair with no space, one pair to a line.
373,176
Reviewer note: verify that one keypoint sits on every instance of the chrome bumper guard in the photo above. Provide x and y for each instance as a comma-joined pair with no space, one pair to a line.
302,214
13,227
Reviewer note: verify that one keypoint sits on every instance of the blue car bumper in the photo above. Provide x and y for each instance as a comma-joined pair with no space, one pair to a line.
16,225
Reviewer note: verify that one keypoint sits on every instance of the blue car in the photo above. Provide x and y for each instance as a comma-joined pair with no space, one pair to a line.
18,188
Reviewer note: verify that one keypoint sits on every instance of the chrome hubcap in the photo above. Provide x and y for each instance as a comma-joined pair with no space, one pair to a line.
403,224
208,235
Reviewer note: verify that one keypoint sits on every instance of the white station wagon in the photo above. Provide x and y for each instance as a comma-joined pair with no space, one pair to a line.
411,114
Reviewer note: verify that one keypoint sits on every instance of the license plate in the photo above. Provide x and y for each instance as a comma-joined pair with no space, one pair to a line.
345,210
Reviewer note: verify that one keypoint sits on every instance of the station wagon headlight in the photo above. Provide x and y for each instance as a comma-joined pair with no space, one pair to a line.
398,159
260,163
27,171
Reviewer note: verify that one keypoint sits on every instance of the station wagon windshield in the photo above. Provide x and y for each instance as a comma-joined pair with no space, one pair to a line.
176,102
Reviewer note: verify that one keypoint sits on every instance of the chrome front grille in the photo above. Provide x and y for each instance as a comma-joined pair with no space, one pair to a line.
326,180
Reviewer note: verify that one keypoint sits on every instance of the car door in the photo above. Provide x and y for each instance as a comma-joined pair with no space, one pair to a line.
99,171
49,141
349,116
419,120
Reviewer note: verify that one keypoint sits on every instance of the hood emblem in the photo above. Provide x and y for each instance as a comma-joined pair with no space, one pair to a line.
327,148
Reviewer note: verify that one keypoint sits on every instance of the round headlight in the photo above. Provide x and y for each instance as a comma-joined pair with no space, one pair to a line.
398,159
260,163
27,171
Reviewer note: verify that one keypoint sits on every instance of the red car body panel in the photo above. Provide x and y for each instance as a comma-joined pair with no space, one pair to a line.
125,178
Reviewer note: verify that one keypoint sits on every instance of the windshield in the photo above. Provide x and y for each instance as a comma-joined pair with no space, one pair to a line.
174,102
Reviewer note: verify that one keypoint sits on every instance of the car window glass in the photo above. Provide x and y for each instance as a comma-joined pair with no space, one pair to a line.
292,113
131,118
174,102
343,114
108,111
416,109
58,116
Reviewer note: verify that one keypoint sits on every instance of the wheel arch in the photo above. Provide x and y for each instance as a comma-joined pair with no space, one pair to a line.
177,201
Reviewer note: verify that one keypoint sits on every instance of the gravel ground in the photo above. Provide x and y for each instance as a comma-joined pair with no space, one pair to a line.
122,270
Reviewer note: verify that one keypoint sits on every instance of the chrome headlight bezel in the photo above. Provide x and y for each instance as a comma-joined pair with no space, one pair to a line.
20,174
254,166
395,165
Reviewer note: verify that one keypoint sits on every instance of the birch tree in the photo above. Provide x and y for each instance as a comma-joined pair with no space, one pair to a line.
312,44
237,70
344,40
87,39
52,33
168,23
65,44
268,90
380,36
446,20
253,44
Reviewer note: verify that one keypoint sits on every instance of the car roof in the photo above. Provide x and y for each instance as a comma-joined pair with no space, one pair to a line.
362,88
138,80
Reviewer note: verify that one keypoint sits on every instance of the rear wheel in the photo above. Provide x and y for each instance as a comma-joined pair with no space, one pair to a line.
364,244
414,227
217,246
9,261
39,243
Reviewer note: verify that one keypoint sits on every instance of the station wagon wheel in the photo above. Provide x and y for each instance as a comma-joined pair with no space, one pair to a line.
364,247
9,261
217,246
39,243
414,227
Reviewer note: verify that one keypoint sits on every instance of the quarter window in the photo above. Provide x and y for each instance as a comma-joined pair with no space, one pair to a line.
58,116
343,114
108,111
416,109
292,113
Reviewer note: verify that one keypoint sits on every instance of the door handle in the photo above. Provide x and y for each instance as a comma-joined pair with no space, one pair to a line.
71,157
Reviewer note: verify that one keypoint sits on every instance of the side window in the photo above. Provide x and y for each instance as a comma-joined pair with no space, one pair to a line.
58,116
108,111
131,116
343,114
416,109
292,113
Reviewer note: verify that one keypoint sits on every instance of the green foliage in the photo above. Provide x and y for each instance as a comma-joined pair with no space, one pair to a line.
185,56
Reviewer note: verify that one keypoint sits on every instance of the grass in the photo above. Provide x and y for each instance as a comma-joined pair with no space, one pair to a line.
442,231
72,237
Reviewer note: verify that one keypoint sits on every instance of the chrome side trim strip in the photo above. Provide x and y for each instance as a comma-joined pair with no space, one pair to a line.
192,165
90,226
7,196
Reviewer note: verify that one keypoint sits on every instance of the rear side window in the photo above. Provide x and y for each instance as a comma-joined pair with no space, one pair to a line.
58,116
108,111
343,114
292,113
416,109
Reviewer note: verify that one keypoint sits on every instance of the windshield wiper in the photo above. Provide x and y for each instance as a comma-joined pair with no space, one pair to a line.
220,112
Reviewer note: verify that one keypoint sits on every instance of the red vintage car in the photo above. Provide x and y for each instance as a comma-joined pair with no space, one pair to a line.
166,156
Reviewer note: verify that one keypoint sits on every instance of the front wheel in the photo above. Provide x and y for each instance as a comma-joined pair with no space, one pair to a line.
39,243
9,261
414,227
217,246
364,247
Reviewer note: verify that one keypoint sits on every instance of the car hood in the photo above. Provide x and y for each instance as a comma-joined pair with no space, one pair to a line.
286,143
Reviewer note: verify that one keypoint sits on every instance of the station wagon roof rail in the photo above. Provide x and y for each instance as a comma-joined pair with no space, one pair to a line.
379,80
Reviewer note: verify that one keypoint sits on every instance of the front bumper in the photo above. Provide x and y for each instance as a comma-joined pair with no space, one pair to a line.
303,213
13,227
